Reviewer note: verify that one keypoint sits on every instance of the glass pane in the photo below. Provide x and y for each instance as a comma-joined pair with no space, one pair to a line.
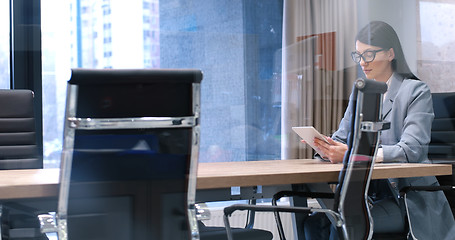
237,46
438,53
56,57
4,45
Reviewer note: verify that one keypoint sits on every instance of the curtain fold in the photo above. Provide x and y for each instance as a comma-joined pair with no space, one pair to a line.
317,73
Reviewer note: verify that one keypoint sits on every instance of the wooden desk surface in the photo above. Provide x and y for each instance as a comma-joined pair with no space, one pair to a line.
275,172
30,183
39,183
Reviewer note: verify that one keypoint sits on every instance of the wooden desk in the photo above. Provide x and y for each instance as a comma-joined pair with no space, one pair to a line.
30,183
41,183
274,172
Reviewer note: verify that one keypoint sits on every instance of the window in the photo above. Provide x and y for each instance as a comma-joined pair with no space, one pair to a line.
4,45
237,46
57,55
437,31
231,44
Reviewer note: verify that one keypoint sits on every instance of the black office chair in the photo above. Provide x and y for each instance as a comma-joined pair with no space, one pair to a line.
350,213
129,160
219,233
18,150
441,149
442,146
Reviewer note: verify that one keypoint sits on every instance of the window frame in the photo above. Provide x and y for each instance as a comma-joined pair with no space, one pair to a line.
25,56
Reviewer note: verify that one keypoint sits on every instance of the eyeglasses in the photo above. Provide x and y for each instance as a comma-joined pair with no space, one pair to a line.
368,56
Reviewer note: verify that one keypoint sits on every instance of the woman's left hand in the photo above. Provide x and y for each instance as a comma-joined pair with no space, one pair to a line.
334,151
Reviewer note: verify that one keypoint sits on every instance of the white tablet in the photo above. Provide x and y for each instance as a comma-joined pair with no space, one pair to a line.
308,133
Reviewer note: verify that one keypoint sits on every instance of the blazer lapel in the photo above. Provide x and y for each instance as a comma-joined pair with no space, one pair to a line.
391,94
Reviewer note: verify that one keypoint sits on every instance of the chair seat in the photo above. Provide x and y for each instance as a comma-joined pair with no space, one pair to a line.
219,233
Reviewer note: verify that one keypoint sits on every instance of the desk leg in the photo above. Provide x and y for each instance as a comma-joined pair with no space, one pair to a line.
299,218
302,202
323,202
322,187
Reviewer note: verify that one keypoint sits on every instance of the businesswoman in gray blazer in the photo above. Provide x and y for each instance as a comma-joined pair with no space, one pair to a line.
408,107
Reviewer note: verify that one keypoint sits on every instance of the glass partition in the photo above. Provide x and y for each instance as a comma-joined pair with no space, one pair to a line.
4,45
268,65
437,52
236,44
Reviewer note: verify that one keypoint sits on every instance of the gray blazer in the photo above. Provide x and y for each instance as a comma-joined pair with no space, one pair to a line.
409,109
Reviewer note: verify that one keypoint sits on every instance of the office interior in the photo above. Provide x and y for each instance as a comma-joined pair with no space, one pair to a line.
267,65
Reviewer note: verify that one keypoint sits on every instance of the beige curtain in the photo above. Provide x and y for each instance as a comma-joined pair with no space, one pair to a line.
318,36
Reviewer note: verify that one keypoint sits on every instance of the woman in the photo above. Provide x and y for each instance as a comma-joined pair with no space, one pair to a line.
408,107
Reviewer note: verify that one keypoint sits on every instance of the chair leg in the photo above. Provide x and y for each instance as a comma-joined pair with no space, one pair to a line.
228,227
279,224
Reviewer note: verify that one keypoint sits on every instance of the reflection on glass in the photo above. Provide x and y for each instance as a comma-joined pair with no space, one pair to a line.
235,46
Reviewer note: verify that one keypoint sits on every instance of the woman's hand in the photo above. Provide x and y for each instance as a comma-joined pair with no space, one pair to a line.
334,151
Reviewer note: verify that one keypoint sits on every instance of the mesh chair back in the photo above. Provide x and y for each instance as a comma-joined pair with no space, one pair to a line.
18,148
130,154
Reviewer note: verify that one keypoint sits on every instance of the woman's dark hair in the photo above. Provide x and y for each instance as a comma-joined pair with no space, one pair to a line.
381,34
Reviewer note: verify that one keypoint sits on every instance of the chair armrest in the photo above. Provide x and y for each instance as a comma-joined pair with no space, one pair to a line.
407,189
261,208
337,220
